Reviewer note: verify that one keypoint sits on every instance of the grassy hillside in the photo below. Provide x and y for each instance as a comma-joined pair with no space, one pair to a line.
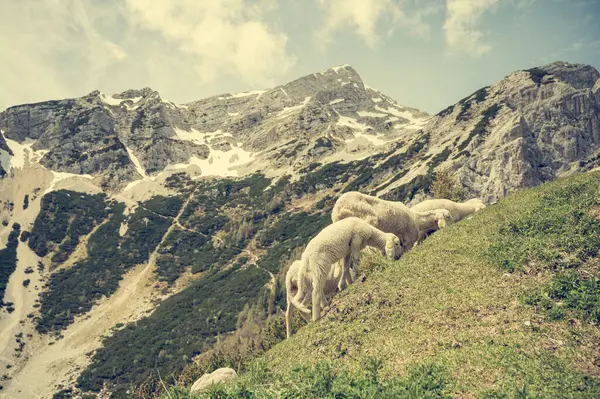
505,304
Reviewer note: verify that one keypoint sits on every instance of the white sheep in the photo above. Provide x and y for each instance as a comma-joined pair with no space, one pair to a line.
291,286
458,210
342,240
390,216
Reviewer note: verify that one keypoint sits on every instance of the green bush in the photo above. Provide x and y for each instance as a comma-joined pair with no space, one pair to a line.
8,259
179,329
75,290
65,216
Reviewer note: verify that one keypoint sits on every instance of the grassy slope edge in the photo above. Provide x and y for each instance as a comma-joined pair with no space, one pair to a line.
453,302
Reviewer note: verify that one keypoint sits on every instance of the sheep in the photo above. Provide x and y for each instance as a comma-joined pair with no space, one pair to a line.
389,216
458,210
291,285
342,240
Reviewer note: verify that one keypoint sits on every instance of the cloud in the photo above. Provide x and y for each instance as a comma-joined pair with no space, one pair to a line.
364,16
57,51
225,37
461,28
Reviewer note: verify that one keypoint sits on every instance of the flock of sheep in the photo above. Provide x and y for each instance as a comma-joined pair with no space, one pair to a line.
359,220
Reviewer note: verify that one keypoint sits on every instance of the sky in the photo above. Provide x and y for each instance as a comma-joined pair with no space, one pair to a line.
426,54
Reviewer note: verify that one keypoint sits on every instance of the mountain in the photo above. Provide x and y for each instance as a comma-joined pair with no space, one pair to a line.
531,127
138,231
137,134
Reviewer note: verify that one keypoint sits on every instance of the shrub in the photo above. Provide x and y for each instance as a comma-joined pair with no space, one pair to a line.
446,186
8,260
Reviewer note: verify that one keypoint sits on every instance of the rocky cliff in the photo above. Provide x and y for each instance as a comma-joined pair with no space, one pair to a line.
531,127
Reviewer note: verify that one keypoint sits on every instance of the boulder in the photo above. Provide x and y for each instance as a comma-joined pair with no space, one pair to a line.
223,374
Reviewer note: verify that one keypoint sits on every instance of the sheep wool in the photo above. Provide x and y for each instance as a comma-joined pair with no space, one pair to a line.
342,240
291,286
389,216
459,210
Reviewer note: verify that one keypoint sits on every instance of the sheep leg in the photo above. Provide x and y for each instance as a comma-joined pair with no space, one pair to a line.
305,316
355,247
345,276
317,297
288,319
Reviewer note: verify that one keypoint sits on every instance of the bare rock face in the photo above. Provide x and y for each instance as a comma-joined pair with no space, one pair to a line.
221,375
529,128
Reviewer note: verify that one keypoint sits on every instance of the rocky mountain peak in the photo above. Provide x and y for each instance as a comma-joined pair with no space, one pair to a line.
531,127
132,93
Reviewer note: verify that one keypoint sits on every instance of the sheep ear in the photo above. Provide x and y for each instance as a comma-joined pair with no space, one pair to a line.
389,245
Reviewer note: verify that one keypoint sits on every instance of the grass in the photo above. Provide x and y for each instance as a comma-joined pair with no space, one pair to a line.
451,302
322,381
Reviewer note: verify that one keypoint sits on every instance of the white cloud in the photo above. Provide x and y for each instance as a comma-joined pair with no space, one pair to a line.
57,50
226,37
365,15
462,25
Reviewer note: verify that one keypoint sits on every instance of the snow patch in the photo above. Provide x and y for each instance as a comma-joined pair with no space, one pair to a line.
392,119
351,122
402,114
376,140
247,93
110,100
281,88
336,101
336,69
199,137
345,83
22,152
58,176
376,100
233,113
289,110
372,114
136,162
218,163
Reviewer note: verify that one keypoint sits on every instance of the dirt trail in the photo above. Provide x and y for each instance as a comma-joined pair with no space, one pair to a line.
61,362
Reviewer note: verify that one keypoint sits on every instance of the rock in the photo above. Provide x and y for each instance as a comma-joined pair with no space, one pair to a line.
529,128
219,375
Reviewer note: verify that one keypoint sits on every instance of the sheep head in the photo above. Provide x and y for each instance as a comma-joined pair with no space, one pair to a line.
444,217
476,203
393,247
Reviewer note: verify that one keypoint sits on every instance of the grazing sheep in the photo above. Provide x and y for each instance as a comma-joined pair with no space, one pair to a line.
459,210
291,286
389,216
341,240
